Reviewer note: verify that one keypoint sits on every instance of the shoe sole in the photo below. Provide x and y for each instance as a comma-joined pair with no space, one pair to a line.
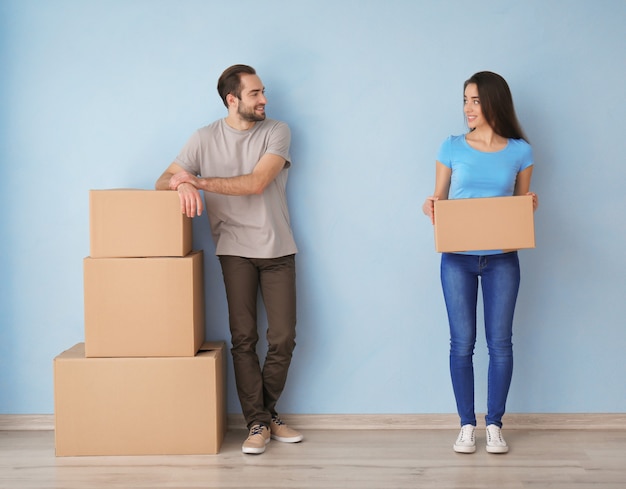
255,451
461,449
292,439
497,449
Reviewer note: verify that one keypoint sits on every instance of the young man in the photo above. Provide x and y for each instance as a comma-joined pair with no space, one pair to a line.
241,164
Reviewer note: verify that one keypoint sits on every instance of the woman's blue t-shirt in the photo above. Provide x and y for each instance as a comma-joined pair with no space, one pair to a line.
480,174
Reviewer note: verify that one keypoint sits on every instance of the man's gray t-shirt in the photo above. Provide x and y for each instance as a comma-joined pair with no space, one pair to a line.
251,226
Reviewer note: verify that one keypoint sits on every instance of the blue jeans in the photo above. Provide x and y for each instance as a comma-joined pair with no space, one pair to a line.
499,280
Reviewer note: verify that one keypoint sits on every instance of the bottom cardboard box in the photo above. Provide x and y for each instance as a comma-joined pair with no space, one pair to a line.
139,406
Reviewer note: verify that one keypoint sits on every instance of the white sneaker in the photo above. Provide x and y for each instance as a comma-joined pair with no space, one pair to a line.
465,442
495,442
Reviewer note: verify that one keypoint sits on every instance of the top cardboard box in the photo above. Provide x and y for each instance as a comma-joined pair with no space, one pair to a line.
494,223
129,223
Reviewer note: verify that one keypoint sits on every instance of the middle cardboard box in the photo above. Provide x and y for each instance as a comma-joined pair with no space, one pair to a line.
144,307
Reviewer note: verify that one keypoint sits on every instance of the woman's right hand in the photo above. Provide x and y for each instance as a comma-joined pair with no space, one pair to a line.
428,208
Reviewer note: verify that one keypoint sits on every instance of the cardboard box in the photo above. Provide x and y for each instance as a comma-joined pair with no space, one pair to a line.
139,406
137,223
144,307
495,223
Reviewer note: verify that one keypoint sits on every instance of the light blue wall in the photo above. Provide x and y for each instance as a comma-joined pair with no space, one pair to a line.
102,94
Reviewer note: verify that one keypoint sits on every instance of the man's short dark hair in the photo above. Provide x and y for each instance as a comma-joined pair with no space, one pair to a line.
230,81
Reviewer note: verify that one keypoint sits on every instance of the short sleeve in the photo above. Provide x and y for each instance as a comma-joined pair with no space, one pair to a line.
444,155
189,156
527,159
279,142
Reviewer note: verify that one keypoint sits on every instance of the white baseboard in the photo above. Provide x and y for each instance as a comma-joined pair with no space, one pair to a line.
559,421
583,421
361,421
26,422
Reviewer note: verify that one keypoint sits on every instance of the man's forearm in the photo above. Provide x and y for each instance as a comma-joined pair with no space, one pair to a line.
239,185
254,183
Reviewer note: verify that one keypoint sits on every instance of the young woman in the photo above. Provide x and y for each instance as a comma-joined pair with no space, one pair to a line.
492,160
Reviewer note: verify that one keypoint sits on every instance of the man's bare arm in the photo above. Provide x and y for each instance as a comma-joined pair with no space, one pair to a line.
265,171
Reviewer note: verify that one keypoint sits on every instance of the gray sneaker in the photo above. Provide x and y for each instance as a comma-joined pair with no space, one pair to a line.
465,442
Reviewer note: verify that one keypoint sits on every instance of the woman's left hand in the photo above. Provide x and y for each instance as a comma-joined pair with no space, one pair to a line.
535,200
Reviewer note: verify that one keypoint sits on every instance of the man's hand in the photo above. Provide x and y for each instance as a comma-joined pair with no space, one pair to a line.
190,199
183,177
176,178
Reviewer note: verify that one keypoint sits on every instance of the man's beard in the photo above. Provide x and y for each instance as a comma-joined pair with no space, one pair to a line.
250,115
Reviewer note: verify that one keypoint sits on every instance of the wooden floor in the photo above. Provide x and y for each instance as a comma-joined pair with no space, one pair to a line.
381,459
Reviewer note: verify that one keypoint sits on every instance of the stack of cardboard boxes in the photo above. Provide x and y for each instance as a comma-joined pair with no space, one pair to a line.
144,381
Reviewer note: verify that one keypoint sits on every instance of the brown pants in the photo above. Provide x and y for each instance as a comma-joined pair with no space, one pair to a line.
259,388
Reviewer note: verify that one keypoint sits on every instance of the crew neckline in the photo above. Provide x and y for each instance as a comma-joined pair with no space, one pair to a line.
508,140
